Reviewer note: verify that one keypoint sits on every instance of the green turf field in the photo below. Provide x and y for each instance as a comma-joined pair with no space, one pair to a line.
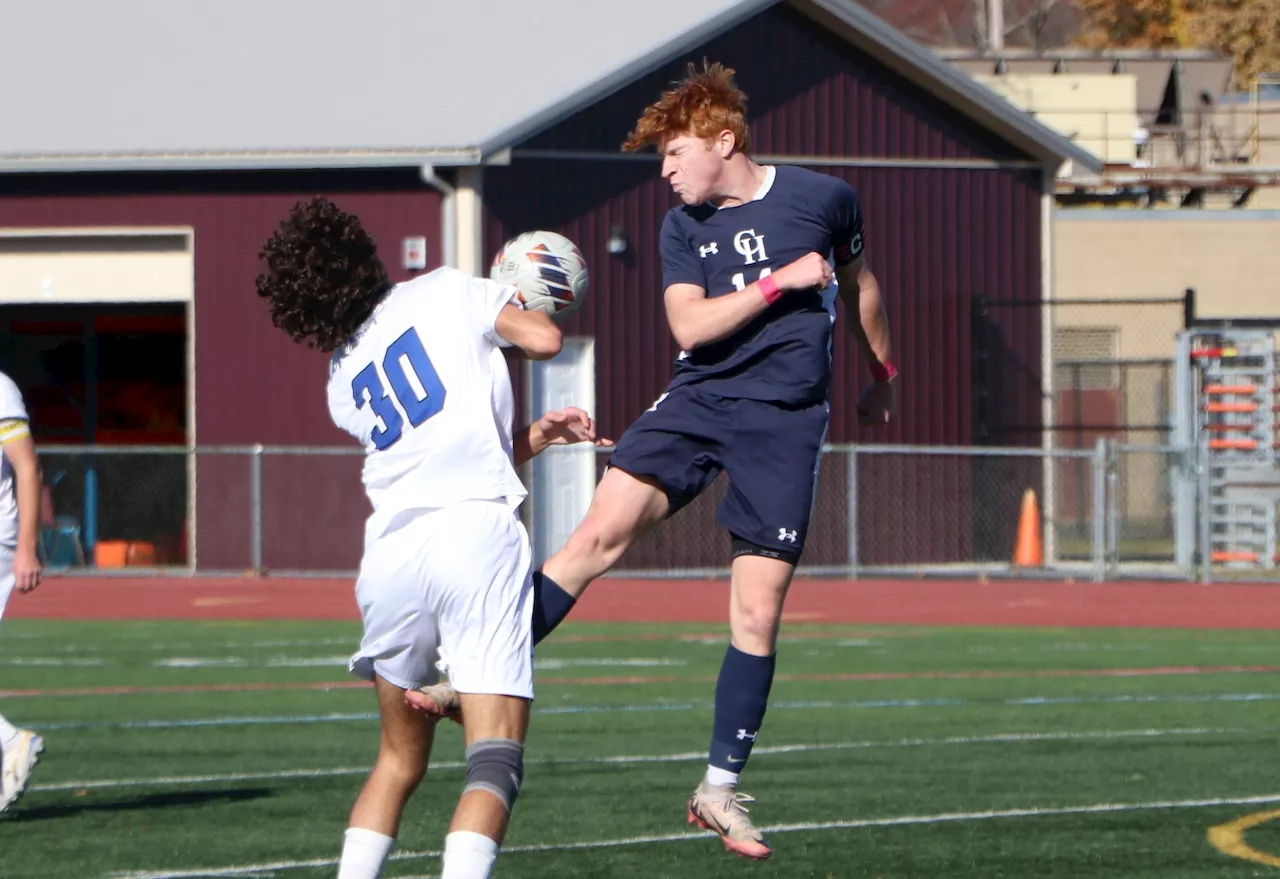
1028,767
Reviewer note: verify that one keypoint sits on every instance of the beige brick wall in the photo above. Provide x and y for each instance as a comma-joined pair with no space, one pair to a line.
1232,259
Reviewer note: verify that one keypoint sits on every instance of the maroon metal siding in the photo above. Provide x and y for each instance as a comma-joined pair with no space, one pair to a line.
252,384
935,239
814,95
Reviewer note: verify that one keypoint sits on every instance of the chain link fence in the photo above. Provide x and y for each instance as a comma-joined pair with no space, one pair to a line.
114,506
909,510
1111,364
1106,511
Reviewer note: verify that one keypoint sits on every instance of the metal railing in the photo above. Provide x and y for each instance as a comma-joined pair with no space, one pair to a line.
1226,135
1109,511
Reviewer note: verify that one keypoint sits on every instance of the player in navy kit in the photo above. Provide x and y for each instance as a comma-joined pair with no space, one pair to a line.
748,262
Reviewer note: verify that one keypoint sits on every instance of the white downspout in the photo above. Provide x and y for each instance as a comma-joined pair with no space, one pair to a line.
1048,413
448,223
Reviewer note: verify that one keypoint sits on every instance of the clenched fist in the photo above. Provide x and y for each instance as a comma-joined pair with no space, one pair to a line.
809,271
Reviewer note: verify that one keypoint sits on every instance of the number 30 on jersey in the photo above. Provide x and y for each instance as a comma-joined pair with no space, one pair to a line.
414,382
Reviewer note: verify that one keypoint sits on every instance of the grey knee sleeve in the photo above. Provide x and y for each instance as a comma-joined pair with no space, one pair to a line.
496,766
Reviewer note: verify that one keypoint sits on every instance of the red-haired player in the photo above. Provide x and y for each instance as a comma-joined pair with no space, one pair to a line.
748,262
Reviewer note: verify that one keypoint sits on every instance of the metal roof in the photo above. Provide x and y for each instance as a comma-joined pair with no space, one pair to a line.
152,84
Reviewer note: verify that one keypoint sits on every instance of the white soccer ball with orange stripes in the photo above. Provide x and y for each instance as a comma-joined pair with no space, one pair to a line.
548,270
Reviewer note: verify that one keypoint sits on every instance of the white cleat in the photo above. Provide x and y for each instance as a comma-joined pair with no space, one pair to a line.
19,759
436,700
721,808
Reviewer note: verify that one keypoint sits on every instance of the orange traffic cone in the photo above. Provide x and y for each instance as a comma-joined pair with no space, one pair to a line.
1028,552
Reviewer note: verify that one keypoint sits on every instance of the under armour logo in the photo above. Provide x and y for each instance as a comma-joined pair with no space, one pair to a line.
784,534
743,734
750,245
707,249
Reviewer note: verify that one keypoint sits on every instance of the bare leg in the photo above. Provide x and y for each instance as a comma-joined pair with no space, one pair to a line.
400,768
623,509
757,592
402,763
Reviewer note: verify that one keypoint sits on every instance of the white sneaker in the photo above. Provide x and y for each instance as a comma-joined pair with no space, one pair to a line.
436,700
19,759
721,808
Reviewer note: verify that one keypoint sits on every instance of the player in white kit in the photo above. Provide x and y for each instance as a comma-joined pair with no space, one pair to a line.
19,564
418,377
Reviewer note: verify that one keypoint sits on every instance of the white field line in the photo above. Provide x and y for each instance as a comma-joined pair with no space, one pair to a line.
651,707
341,662
853,823
637,759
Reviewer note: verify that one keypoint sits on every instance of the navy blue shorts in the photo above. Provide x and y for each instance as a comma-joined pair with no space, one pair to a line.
770,452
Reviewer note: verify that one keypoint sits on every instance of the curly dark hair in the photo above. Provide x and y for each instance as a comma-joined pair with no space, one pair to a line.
323,276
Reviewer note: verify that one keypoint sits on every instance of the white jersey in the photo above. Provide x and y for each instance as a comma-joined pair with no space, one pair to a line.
11,408
423,385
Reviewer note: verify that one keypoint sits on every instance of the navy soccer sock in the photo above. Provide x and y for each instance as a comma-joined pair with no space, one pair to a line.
742,694
551,605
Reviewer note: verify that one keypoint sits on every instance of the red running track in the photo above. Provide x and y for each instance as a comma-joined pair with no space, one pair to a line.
910,602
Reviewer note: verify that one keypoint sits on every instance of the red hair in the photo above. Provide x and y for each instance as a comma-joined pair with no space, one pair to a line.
704,103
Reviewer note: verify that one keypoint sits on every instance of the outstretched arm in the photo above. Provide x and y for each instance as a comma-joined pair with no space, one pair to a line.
561,427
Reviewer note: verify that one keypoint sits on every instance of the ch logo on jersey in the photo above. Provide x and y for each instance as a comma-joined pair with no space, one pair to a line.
788,536
750,245
706,250
743,735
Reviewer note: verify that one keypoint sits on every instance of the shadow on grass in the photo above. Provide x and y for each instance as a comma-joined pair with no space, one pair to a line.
22,814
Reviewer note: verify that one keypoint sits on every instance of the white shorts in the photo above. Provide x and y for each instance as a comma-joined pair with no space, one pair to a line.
6,577
451,590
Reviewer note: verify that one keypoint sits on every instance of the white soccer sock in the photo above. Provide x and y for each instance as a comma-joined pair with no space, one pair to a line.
468,855
8,734
363,852
721,777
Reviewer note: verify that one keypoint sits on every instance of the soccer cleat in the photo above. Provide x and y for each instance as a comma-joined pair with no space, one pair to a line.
18,761
437,700
720,808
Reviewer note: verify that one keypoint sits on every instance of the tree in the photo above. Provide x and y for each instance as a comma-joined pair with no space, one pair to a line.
1247,31
1146,24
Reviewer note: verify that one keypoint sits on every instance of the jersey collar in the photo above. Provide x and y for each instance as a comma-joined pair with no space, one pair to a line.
770,172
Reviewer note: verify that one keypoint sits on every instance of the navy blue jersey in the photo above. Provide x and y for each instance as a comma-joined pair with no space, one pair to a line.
784,355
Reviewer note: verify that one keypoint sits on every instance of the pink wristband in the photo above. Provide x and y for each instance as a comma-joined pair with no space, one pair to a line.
882,372
769,289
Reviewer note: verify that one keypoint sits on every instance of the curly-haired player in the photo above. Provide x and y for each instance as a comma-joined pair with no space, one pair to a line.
418,377
748,261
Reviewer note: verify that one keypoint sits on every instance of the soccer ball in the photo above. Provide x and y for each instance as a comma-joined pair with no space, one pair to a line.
547,269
